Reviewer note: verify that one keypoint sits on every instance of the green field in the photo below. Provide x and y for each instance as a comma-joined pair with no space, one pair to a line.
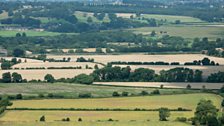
6,33
188,101
83,16
187,31
100,118
90,118
72,90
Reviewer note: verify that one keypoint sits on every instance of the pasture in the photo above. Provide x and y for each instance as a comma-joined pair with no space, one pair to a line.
91,118
188,101
165,84
12,33
169,18
73,90
191,32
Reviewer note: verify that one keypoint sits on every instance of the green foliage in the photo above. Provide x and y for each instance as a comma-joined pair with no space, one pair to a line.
83,79
18,52
16,78
115,94
164,113
205,111
6,77
42,119
49,78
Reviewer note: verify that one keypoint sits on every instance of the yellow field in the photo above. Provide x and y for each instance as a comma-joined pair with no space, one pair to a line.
57,73
89,50
182,58
188,101
56,64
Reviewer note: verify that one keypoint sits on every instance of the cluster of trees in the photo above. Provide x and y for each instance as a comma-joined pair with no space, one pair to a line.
146,75
82,59
7,64
4,102
216,77
12,78
205,62
23,21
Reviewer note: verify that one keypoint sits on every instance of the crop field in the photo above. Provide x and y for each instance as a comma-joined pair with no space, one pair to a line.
57,73
89,50
72,90
169,18
12,33
212,32
165,84
91,118
56,64
207,70
188,101
182,58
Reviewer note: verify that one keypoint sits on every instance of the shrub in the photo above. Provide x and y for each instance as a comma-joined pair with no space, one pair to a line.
115,94
84,79
42,119
80,119
110,119
155,92
181,119
164,113
85,95
19,96
50,95
144,93
124,93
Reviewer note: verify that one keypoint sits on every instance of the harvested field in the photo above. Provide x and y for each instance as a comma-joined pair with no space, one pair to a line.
207,70
56,64
182,58
188,101
57,73
165,84
89,50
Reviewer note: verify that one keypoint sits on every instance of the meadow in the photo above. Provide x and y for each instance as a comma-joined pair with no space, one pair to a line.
73,90
188,31
169,18
188,101
12,33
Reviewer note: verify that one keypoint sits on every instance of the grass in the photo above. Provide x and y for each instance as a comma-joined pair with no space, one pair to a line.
96,118
81,18
188,101
72,90
6,33
191,32
168,18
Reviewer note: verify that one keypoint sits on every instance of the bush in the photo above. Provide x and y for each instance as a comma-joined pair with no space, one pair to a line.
110,119
115,94
50,95
181,119
80,119
155,92
85,95
124,93
144,93
42,119
19,96
83,79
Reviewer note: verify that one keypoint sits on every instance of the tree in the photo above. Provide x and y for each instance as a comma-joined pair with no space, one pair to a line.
153,33
18,35
164,113
115,94
84,79
49,78
17,78
42,119
6,77
19,96
5,65
18,53
206,61
23,34
205,110
89,20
